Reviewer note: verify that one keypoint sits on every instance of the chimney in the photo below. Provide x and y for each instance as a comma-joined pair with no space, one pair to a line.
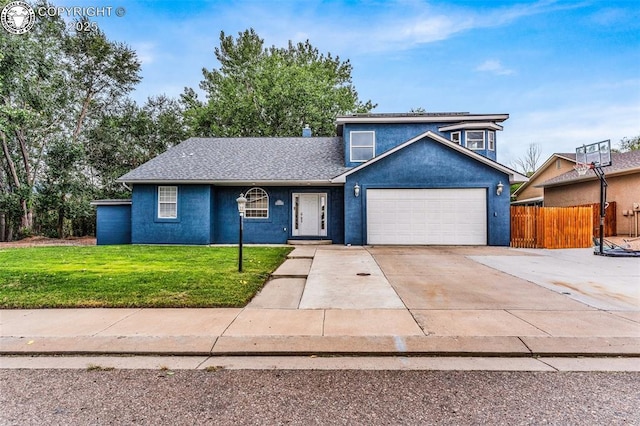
306,132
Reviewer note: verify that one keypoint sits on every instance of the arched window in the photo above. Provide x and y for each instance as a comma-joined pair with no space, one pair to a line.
257,203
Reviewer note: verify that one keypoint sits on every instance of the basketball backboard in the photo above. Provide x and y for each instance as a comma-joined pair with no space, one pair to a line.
598,154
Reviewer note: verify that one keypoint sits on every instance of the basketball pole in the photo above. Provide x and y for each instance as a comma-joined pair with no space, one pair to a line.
603,199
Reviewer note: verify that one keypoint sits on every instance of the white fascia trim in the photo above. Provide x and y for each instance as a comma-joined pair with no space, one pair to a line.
301,183
475,126
514,177
423,118
528,200
122,202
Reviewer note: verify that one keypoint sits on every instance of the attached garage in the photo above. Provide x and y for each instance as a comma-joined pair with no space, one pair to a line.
452,216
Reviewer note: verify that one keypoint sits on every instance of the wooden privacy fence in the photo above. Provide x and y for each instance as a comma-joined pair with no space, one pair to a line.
551,227
610,223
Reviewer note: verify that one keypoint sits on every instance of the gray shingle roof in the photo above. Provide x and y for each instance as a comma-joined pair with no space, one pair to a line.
620,163
245,159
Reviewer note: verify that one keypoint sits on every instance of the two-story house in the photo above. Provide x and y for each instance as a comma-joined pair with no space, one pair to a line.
423,178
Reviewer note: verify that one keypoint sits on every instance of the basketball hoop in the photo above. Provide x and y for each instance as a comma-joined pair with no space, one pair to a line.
582,168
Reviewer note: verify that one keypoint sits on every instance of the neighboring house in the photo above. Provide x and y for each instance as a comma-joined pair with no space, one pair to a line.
530,193
424,178
623,187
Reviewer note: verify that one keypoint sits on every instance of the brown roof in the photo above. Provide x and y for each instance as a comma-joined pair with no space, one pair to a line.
621,162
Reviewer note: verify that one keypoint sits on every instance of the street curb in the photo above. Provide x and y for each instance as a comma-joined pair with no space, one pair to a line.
391,346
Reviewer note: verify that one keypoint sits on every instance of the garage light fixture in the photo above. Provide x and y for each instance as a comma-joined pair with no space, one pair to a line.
356,190
499,188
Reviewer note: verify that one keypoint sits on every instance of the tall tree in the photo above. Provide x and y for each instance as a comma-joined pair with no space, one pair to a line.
32,85
53,86
271,92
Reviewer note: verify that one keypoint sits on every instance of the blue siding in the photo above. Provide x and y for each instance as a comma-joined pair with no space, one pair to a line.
192,226
113,224
276,229
428,164
393,134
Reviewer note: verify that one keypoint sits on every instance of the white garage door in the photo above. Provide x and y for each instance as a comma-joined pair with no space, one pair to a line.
427,216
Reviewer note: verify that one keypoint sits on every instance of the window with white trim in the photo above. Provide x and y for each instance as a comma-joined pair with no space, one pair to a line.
362,146
475,139
492,140
455,138
257,206
167,202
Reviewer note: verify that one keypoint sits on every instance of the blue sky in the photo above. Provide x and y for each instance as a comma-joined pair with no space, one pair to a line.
567,72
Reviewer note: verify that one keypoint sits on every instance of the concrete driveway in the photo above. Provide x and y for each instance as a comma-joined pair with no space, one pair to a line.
505,278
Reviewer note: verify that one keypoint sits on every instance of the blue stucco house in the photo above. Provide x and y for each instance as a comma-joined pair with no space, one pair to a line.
419,178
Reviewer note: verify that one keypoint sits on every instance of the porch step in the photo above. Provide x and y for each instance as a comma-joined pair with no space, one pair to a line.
309,242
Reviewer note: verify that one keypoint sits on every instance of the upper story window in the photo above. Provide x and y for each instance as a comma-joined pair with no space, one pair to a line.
167,202
455,138
475,139
492,140
362,146
257,204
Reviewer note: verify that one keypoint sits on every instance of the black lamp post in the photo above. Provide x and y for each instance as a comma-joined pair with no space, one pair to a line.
242,202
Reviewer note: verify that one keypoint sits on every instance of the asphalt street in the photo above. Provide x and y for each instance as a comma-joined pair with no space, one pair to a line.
225,397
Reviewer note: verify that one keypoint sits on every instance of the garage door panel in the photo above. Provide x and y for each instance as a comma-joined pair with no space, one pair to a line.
427,216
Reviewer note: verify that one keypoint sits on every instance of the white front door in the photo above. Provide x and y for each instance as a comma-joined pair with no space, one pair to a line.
309,215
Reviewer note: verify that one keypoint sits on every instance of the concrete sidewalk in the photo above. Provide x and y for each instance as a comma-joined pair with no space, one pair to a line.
430,301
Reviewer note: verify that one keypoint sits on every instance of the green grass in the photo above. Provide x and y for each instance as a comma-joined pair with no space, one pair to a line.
133,276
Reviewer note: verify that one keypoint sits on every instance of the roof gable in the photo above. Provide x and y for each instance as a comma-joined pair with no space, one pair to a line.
542,169
514,176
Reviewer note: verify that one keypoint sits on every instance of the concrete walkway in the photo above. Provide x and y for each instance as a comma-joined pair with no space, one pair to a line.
469,302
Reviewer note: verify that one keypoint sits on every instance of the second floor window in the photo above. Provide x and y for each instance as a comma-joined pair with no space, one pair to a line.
475,139
362,146
455,137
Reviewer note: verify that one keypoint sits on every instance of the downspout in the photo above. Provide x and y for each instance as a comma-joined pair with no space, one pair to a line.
126,186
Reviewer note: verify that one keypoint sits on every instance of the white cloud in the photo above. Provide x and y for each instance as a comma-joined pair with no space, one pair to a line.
495,67
563,128
145,52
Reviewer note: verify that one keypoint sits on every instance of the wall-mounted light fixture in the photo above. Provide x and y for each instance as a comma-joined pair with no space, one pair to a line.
356,190
499,188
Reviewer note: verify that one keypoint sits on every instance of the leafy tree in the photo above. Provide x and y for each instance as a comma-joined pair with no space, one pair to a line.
629,144
271,92
128,136
32,80
53,86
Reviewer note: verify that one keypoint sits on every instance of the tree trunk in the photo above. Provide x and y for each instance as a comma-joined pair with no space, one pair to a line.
61,219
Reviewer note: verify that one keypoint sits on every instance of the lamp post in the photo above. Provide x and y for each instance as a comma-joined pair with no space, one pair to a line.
242,202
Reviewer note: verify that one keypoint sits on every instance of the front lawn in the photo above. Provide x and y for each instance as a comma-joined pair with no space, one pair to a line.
133,276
